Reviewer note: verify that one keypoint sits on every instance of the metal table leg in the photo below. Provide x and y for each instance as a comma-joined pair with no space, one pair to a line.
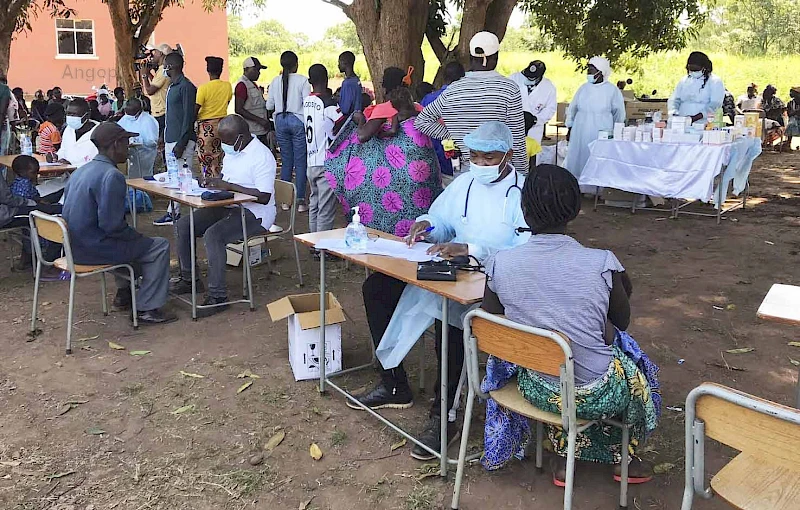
443,389
133,208
193,247
322,303
246,261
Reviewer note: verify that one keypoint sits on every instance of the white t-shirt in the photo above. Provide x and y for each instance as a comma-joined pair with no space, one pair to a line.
12,113
78,152
145,125
253,167
298,88
320,116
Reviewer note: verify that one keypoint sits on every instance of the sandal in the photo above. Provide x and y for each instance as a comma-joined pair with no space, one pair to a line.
638,472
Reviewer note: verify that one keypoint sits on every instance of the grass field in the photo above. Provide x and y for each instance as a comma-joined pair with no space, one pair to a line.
659,72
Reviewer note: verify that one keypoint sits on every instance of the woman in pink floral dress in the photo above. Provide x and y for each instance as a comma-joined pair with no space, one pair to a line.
387,168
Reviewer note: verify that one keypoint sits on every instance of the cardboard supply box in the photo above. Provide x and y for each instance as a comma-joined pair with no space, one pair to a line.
302,311
639,109
258,252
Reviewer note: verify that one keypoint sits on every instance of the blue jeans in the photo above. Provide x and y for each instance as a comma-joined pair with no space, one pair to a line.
291,134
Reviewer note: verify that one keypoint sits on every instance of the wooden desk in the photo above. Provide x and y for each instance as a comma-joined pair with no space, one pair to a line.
782,304
467,290
45,171
174,195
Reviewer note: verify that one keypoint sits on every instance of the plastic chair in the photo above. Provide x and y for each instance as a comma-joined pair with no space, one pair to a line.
765,475
537,349
54,229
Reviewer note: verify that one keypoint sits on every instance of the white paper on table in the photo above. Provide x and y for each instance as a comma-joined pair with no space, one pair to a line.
384,247
45,163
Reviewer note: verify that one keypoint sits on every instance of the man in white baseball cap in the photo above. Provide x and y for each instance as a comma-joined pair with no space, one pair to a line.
483,95
484,45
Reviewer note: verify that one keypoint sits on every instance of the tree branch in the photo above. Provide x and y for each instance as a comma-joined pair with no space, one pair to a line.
341,5
439,49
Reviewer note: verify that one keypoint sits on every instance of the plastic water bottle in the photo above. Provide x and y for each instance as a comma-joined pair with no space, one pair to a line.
185,179
172,170
355,237
26,147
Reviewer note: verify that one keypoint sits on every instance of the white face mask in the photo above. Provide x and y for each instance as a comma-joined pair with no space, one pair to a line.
486,174
591,78
230,150
131,118
75,122
696,74
166,73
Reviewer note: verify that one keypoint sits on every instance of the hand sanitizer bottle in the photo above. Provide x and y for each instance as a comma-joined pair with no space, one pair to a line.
355,237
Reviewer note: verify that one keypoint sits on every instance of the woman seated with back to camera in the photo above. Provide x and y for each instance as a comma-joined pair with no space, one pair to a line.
555,283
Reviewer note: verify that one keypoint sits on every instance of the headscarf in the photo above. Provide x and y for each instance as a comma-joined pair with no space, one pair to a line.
601,64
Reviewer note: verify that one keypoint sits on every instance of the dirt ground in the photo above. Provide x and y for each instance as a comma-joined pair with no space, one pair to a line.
100,429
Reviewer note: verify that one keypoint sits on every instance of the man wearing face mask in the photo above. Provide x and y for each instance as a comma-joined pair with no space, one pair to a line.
145,146
179,134
596,106
247,167
699,93
538,96
77,147
476,215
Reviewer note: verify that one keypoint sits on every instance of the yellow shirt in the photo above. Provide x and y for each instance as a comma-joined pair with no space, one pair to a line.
213,98
158,101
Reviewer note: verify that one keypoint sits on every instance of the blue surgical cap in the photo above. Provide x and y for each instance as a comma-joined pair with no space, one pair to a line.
491,136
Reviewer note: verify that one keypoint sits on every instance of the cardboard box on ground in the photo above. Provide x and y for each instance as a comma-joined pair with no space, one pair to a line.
302,311
259,252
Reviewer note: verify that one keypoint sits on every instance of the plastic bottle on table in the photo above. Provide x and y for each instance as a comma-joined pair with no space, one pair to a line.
26,147
172,170
355,237
185,179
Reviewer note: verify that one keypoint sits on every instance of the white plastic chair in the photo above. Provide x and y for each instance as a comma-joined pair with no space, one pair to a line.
546,352
54,229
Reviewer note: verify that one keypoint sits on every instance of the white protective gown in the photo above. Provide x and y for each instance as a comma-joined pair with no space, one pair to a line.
595,107
693,95
540,101
490,225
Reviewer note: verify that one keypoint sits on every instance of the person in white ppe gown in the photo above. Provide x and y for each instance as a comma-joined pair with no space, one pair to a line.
476,215
597,105
700,93
538,96
143,149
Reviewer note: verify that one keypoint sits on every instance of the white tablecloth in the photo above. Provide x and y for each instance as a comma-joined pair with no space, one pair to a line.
670,170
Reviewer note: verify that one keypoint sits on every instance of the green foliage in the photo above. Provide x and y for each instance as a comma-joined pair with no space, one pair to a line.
527,38
18,18
615,28
266,36
343,37
752,27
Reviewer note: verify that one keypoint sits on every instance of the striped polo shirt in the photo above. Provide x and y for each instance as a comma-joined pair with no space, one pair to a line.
481,96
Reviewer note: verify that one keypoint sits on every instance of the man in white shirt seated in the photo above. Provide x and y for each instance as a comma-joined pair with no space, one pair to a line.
247,167
77,147
144,147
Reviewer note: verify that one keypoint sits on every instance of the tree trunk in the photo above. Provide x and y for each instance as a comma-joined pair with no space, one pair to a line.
391,33
5,51
125,43
478,15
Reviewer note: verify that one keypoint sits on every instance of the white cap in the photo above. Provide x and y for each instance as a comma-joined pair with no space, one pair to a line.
164,48
484,44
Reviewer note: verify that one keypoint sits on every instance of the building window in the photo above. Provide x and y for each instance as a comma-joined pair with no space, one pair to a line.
75,37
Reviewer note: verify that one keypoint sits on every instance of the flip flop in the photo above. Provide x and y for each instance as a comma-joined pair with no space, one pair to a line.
633,480
558,483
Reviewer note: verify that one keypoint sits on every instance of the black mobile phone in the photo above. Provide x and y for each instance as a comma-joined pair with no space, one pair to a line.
149,178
